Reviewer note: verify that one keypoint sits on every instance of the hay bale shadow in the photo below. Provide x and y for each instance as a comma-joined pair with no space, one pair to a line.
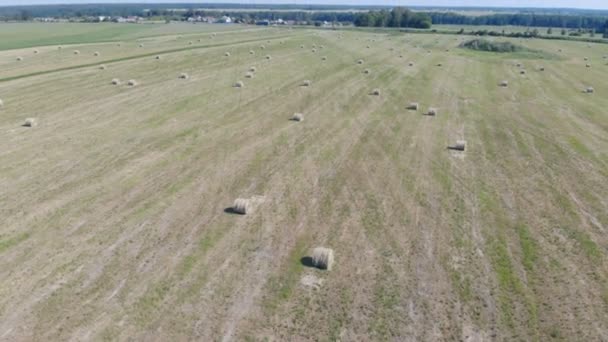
307,261
231,211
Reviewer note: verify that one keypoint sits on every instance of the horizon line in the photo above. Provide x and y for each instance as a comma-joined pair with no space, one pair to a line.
299,5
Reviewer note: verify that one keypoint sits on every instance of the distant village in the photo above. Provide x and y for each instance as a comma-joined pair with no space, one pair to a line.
192,19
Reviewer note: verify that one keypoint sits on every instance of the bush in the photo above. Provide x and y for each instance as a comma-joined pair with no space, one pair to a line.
486,45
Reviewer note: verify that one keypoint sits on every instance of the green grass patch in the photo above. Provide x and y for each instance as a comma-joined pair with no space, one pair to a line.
280,287
579,147
508,281
588,246
462,284
13,241
528,247
152,301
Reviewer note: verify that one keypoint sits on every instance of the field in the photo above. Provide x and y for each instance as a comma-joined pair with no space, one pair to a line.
116,220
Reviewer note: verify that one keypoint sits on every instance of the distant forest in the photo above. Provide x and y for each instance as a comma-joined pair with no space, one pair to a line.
366,16
567,21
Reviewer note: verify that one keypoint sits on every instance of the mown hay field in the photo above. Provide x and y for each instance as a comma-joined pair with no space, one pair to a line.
116,207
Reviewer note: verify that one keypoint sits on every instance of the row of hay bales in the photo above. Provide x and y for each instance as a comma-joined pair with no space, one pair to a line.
32,122
321,257
460,145
185,76
505,83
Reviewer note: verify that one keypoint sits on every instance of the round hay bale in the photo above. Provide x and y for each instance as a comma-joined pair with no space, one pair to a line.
504,83
76,52
239,84
132,83
439,64
323,58
541,69
59,48
102,67
522,72
19,59
30,122
586,58
248,75
35,51
268,57
518,65
253,69
366,71
306,83
410,64
302,46
432,111
115,81
588,65
96,54
184,76
413,106
460,145
297,117
158,57
141,45
375,92
242,206
190,43
360,61
199,40
322,258
368,47
227,54
262,47
251,52
589,90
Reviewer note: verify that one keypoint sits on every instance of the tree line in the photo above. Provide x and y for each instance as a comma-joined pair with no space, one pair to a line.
397,17
567,21
252,16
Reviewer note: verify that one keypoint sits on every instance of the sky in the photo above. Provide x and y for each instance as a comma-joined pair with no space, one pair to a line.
592,4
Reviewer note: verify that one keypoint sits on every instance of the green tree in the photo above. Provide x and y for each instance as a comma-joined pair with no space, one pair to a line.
25,15
549,31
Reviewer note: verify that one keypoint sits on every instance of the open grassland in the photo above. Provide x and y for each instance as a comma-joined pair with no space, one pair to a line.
114,208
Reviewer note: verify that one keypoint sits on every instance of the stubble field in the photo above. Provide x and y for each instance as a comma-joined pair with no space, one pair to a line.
115,220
